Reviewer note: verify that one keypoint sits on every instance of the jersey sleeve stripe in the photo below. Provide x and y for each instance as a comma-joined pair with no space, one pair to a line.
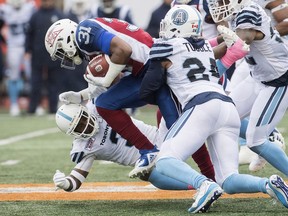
250,17
161,51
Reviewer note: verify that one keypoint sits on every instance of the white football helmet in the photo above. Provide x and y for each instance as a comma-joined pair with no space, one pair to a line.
181,21
60,43
222,10
75,120
80,7
16,3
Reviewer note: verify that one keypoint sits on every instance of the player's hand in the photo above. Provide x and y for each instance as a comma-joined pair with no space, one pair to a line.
95,91
230,37
96,81
70,97
60,181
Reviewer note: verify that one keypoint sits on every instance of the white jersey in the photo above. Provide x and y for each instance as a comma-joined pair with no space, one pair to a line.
267,58
209,28
16,21
192,69
110,146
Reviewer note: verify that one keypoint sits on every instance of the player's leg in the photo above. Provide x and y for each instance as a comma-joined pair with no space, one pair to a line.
14,81
201,156
122,95
166,183
184,138
267,112
223,148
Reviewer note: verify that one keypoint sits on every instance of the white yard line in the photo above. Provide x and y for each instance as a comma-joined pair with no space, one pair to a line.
33,134
82,190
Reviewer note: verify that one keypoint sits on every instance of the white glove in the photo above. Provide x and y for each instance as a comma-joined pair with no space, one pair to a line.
229,36
95,91
96,81
70,97
60,181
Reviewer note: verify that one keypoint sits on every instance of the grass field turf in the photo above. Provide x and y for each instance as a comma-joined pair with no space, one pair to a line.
36,160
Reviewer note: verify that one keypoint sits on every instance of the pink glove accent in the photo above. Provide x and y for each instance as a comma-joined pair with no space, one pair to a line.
213,42
237,51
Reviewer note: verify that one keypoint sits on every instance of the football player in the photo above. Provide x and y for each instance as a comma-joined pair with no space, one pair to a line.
263,95
95,140
186,62
127,45
16,14
277,10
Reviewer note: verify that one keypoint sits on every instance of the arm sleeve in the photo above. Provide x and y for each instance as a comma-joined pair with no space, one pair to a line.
152,82
99,39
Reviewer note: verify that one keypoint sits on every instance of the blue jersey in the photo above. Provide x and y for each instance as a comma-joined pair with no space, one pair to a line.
93,36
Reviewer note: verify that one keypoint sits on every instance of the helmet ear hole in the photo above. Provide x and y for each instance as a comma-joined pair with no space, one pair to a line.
68,39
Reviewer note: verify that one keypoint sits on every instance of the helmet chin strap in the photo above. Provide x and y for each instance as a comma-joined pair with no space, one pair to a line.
77,60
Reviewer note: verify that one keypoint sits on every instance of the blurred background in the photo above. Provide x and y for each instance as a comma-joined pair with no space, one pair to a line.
29,81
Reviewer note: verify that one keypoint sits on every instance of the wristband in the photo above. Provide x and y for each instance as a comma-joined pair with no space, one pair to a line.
237,51
279,7
78,176
213,42
84,94
113,71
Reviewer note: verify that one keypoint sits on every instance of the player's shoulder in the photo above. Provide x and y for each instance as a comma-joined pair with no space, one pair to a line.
252,15
161,48
87,28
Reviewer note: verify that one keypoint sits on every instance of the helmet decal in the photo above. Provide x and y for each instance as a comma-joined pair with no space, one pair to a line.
64,115
52,35
179,17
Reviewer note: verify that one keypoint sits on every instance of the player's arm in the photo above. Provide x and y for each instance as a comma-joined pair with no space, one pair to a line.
120,55
77,176
237,45
279,10
153,80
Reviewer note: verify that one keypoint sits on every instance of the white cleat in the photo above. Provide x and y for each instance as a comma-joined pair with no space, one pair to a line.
246,156
208,193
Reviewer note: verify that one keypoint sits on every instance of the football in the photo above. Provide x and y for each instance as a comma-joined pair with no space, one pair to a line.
98,66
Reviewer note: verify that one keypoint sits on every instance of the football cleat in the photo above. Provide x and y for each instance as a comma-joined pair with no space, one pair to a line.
278,189
277,138
208,193
257,164
145,163
246,155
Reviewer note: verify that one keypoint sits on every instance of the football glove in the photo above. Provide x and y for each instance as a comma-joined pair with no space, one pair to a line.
60,181
230,37
70,97
95,91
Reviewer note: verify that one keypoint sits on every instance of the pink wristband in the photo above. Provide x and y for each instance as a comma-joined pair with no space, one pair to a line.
234,53
213,42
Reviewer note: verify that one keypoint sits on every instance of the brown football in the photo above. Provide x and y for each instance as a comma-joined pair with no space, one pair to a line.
98,66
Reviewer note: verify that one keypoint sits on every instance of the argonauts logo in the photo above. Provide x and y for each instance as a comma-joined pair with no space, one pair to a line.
179,17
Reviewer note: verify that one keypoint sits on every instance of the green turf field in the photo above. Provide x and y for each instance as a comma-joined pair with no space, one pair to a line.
39,157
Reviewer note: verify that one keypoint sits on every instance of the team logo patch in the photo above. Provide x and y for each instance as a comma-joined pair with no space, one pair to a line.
179,17
52,35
